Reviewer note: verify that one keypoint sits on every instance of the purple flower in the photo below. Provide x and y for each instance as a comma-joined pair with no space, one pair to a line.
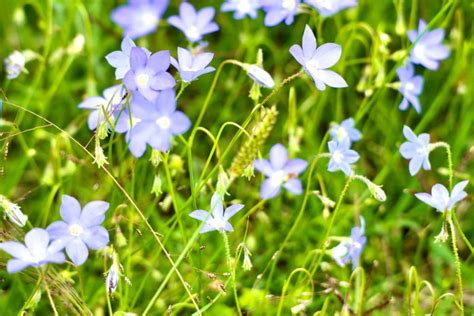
428,50
111,102
194,24
191,67
139,17
147,74
36,252
80,229
315,61
280,172
120,59
350,250
155,123
260,76
242,8
331,7
410,87
345,130
217,219
440,199
341,156
278,11
416,149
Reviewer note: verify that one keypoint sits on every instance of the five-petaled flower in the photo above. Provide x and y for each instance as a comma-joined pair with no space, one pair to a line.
147,74
428,50
194,24
36,251
140,17
410,87
278,11
341,156
120,59
331,7
242,8
104,107
80,229
280,172
315,60
154,123
440,199
350,250
191,67
217,219
417,150
345,130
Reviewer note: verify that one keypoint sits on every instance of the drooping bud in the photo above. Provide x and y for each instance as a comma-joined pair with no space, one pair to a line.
260,76
14,64
13,212
112,279
223,183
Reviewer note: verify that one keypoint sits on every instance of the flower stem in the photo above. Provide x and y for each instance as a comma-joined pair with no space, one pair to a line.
231,269
458,262
450,159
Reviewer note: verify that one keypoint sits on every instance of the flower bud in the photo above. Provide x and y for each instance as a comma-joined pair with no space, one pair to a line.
13,212
14,64
260,76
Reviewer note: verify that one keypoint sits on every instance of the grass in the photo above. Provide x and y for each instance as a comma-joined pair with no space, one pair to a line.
48,151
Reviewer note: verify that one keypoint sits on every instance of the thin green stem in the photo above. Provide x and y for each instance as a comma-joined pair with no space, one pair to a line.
232,270
458,262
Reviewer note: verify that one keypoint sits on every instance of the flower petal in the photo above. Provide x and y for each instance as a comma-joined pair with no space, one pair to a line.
278,156
232,210
70,209
77,251
96,237
93,213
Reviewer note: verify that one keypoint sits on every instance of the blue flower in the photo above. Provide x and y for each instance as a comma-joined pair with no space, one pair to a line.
428,50
36,252
191,67
280,172
278,11
242,8
410,87
315,60
14,64
350,250
120,59
194,24
154,123
416,149
140,17
147,74
341,156
80,229
111,102
345,130
331,7
440,199
217,219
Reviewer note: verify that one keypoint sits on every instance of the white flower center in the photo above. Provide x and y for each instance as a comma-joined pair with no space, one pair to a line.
142,79
163,122
277,178
193,33
76,230
312,65
337,156
149,19
288,4
326,4
341,133
419,50
135,121
217,223
244,6
410,86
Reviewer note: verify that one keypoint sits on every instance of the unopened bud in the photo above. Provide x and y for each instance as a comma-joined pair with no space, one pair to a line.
13,212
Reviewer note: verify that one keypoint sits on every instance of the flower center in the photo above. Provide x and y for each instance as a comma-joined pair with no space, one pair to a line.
142,79
244,6
163,122
278,177
312,65
76,230
288,4
193,33
149,19
422,151
217,223
410,86
337,156
341,133
419,50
